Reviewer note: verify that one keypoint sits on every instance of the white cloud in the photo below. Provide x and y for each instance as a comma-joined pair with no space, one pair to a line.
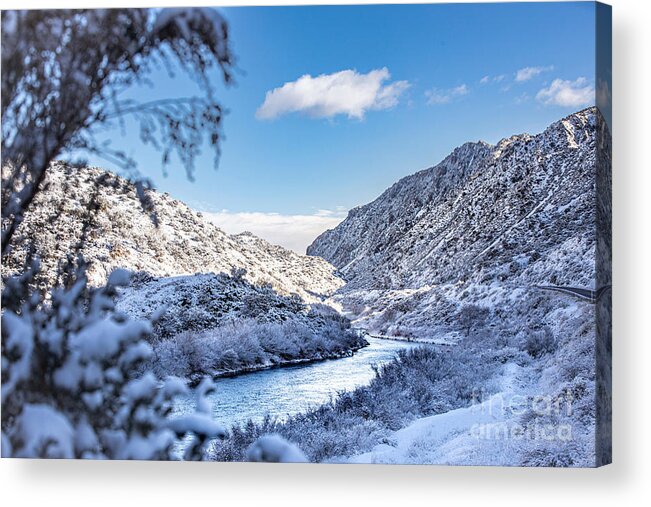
527,73
495,79
567,93
295,232
436,96
347,92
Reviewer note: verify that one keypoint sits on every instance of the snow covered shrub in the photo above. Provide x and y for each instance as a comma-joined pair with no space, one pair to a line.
176,356
357,308
565,431
327,431
539,342
471,316
387,317
229,359
246,343
70,381
238,274
274,449
564,361
271,339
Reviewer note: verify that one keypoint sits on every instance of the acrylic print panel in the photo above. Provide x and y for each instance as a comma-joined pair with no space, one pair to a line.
342,234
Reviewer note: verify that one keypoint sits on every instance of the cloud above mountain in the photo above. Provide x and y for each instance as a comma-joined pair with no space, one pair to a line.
436,96
347,92
294,232
527,73
566,93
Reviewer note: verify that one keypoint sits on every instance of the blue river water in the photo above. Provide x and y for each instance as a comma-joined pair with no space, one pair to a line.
290,390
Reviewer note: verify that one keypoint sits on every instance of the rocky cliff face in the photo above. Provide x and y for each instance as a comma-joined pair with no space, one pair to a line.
519,212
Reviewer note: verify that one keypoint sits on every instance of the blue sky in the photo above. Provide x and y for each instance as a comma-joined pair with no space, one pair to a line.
421,80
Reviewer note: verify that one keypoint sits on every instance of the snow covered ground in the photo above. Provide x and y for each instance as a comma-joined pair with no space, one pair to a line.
461,436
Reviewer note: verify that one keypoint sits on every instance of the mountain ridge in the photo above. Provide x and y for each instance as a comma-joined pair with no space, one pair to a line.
477,214
153,233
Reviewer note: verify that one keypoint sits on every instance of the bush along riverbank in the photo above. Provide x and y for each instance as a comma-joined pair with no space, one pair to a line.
246,346
224,325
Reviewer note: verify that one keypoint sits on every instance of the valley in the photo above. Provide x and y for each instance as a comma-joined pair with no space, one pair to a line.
418,304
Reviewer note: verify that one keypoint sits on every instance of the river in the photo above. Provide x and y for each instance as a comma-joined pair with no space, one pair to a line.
287,391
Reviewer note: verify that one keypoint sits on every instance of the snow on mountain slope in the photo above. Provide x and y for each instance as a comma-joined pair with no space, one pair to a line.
520,212
206,301
122,234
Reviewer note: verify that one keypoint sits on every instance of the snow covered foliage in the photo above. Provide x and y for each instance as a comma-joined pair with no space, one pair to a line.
63,72
274,449
470,316
98,214
206,301
247,345
420,382
199,425
217,324
69,382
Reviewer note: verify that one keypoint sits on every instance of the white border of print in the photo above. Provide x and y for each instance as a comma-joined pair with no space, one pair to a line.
69,483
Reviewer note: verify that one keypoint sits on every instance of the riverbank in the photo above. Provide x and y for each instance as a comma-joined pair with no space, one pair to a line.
287,391
244,346
420,380
194,379
424,405
426,341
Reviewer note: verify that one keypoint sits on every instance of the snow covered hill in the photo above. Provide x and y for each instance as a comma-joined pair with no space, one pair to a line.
221,324
519,212
480,230
165,239
221,303
206,301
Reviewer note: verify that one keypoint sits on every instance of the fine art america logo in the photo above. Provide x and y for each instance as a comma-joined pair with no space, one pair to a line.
520,417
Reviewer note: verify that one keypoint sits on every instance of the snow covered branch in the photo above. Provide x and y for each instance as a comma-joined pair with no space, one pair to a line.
69,387
64,70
